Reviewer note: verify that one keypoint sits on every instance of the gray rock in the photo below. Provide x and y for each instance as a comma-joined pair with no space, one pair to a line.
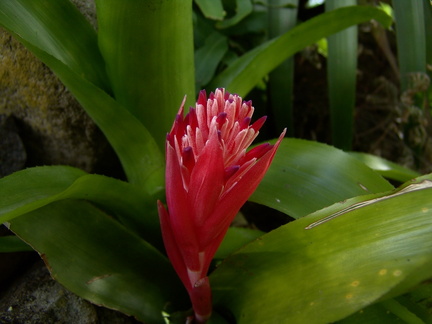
36,298
12,152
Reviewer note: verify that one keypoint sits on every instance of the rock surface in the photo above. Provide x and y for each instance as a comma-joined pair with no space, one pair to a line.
12,152
37,298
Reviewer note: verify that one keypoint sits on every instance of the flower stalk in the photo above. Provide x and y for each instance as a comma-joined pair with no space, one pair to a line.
209,176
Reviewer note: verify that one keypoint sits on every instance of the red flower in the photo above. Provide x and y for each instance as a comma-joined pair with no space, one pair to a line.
209,176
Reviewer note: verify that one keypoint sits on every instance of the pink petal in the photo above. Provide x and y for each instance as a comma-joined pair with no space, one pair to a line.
206,180
171,246
202,98
259,123
209,176
256,152
231,203
180,210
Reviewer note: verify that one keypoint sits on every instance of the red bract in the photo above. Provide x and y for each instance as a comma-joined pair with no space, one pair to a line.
209,176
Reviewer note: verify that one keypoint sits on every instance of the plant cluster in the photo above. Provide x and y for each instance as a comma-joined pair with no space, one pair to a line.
358,249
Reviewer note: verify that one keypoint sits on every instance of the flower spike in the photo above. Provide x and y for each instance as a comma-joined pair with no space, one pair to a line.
209,176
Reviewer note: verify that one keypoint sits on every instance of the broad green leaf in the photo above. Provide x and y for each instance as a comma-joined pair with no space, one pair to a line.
211,9
249,69
30,189
26,190
341,78
306,176
332,263
235,238
95,257
208,57
387,169
243,8
12,243
148,50
58,28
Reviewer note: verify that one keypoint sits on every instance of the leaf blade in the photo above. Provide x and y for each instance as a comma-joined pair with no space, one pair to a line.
24,191
94,263
342,77
386,168
33,188
377,251
12,243
248,70
243,9
211,9
296,185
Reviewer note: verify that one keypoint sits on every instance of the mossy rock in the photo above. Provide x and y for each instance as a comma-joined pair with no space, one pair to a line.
51,123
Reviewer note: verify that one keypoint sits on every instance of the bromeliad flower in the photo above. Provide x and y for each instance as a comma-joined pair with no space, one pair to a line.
209,176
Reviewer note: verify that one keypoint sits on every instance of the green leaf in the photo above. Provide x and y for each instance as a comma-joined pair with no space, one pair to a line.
26,190
402,312
148,50
428,31
387,169
12,243
282,17
419,300
342,77
243,9
208,57
413,307
373,314
306,176
235,238
95,257
411,39
30,189
211,9
249,69
59,29
332,263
